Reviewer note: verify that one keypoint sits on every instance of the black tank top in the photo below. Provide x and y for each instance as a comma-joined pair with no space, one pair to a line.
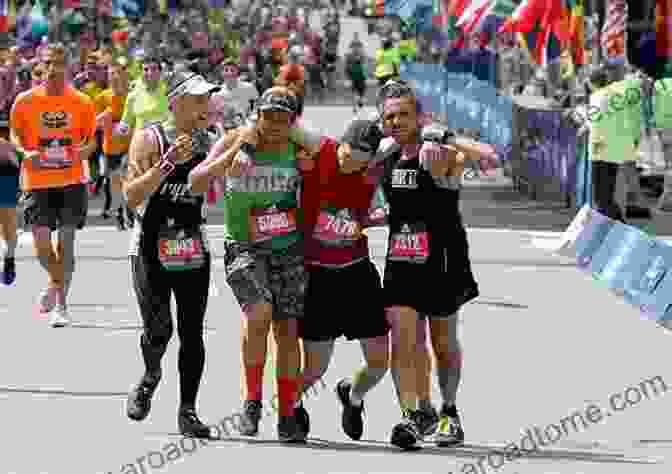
415,198
172,205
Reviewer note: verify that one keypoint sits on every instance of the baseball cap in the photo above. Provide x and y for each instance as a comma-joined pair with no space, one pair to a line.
272,101
364,135
188,83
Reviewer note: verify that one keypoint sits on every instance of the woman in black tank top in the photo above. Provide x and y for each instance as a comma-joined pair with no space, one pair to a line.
170,254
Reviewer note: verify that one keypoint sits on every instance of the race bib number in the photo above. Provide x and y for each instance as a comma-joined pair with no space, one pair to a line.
410,245
181,250
407,179
337,228
56,153
271,222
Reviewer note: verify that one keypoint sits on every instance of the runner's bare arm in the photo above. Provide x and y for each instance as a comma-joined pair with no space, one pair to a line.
218,162
144,176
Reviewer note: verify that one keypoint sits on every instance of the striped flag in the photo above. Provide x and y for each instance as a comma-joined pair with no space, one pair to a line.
613,32
7,15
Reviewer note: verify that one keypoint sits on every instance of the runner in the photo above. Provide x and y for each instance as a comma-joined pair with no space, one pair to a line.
53,127
9,165
264,254
147,102
115,146
336,209
424,247
169,249
356,71
240,94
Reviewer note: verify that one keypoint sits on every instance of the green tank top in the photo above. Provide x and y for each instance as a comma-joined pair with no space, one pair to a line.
258,202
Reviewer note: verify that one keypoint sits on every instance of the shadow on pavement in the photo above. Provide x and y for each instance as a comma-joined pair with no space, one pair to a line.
500,304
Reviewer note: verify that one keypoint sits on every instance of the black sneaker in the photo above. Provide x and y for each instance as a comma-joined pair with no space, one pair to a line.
140,399
637,212
427,421
450,431
289,430
405,435
351,419
192,427
302,420
249,419
9,271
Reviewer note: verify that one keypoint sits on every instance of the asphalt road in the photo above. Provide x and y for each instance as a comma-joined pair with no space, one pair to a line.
543,342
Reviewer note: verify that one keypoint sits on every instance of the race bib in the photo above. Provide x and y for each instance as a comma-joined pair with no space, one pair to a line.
266,223
337,228
407,179
181,249
56,153
410,245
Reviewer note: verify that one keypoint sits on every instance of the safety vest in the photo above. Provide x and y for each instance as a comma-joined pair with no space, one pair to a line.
662,103
386,62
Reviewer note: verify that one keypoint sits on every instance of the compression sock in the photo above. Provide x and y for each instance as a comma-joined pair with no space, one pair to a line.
318,357
368,377
10,248
449,369
287,395
254,381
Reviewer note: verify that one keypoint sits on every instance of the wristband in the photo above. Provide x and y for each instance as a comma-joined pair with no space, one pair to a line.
166,165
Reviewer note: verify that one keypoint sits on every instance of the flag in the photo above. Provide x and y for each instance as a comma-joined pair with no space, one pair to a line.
577,41
613,31
472,15
542,45
664,29
453,11
7,15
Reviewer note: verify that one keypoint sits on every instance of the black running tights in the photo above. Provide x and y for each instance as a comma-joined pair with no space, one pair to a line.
153,288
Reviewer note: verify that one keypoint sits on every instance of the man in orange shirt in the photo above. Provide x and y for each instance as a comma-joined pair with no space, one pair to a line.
115,147
53,126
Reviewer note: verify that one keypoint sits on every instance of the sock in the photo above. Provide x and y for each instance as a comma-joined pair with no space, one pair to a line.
59,296
365,379
449,378
426,406
449,410
395,380
254,380
10,248
187,408
287,395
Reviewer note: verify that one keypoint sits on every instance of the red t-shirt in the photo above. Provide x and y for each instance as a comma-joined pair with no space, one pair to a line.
335,209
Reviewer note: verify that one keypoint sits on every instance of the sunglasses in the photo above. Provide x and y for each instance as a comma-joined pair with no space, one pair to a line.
394,88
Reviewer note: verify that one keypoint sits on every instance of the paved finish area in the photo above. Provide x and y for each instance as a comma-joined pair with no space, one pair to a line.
542,342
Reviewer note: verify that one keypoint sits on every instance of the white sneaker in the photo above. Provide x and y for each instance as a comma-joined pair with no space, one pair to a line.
58,317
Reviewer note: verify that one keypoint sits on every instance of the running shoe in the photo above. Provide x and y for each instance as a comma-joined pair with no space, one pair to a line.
351,419
450,431
191,426
405,435
637,212
302,420
58,317
46,301
9,271
427,421
289,430
249,418
139,401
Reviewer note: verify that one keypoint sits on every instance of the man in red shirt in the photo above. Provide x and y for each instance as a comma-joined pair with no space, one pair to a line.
336,198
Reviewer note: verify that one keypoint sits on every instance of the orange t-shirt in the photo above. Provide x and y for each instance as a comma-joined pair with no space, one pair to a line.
56,126
113,144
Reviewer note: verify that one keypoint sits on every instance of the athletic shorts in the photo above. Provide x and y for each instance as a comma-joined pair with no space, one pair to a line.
344,302
437,288
115,165
9,191
278,279
57,207
359,87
